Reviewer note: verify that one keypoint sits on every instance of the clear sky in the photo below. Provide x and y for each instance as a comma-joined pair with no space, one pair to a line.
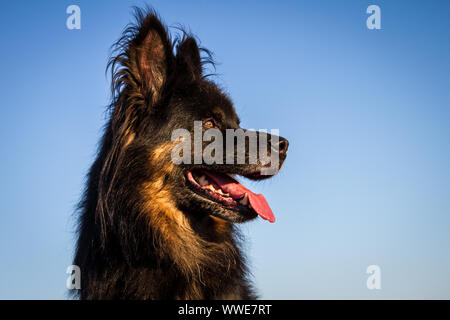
367,114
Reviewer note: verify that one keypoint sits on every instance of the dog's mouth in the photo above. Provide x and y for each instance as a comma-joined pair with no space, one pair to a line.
227,191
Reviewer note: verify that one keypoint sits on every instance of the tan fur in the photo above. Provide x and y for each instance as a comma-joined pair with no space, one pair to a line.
220,226
129,138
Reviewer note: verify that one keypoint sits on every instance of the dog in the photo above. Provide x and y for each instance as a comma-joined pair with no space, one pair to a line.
149,228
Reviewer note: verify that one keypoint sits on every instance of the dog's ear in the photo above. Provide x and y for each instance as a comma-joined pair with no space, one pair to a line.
151,55
188,59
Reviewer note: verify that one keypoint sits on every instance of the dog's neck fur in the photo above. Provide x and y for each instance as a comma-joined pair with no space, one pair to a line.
183,263
165,258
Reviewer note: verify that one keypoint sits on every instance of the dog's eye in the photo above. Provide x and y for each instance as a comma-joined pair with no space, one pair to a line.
209,123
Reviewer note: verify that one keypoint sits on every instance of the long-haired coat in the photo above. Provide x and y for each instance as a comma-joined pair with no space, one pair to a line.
149,228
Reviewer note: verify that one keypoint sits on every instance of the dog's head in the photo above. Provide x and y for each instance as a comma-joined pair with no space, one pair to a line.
179,126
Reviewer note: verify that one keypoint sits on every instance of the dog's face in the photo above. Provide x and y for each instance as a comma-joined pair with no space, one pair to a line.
208,188
177,96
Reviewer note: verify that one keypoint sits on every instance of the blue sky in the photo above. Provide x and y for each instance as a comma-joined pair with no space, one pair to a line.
367,114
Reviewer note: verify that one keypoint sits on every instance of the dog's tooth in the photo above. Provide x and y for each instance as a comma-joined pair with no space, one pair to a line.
244,200
220,191
203,181
210,187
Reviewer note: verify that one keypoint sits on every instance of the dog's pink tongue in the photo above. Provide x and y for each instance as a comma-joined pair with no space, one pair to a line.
260,205
237,191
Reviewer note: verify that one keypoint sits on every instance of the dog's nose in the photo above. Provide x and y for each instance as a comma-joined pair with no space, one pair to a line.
283,145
